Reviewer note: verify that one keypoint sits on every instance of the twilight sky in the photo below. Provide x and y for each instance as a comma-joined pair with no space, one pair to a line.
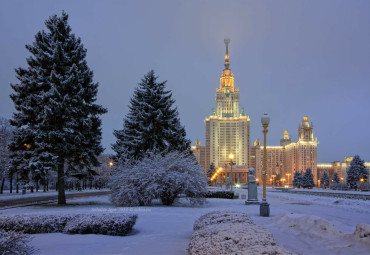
289,58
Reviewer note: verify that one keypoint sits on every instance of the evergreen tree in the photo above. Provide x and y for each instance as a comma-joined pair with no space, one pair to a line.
356,171
211,170
307,179
6,133
57,122
335,178
325,179
297,180
152,124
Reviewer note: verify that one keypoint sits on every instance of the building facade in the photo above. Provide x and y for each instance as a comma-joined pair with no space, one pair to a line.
340,167
228,131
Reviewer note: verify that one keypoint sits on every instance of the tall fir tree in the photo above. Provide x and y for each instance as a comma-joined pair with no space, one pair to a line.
335,178
325,179
356,172
307,179
6,133
57,122
297,179
151,125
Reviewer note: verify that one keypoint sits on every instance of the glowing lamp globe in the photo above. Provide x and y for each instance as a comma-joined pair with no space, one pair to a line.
265,120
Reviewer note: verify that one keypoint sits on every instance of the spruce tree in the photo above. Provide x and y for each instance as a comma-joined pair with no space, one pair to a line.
297,179
335,178
57,122
152,124
6,133
307,179
356,172
325,179
210,171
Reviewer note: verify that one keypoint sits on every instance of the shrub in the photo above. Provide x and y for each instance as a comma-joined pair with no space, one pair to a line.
157,176
12,242
225,232
365,186
105,224
34,224
220,194
338,186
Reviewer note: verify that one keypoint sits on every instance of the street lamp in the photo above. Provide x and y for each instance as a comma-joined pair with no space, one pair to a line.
226,163
288,177
264,206
231,157
273,179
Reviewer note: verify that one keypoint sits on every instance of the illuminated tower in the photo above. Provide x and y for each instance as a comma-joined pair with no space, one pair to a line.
305,130
227,130
285,139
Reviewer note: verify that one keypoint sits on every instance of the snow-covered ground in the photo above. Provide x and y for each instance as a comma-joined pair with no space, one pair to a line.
302,224
12,196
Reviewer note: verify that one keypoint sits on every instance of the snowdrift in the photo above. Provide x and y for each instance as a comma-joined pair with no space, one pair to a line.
317,229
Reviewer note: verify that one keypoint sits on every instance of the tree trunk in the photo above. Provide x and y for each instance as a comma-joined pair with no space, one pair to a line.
61,191
2,185
11,183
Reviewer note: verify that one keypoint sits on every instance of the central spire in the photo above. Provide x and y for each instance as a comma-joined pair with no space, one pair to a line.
227,63
227,77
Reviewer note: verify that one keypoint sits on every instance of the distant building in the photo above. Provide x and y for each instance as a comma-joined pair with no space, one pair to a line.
228,131
340,167
289,156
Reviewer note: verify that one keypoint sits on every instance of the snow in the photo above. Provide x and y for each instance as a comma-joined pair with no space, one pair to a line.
228,232
167,230
13,196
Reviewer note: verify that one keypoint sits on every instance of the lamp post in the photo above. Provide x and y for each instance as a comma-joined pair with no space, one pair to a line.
264,206
231,157
288,177
226,163
273,179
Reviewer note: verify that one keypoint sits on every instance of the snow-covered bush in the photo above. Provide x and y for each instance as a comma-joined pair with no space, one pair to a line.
12,242
34,224
105,224
158,176
220,194
226,232
338,186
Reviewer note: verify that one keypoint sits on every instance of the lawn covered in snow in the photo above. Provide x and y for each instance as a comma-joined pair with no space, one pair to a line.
302,224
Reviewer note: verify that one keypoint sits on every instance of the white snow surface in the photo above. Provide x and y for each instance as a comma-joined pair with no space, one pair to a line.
13,196
301,224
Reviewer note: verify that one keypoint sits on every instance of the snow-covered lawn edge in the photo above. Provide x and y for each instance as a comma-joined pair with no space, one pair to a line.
227,232
105,224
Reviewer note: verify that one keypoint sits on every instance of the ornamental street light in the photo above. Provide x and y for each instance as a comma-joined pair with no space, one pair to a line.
226,163
231,157
264,206
288,177
273,179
